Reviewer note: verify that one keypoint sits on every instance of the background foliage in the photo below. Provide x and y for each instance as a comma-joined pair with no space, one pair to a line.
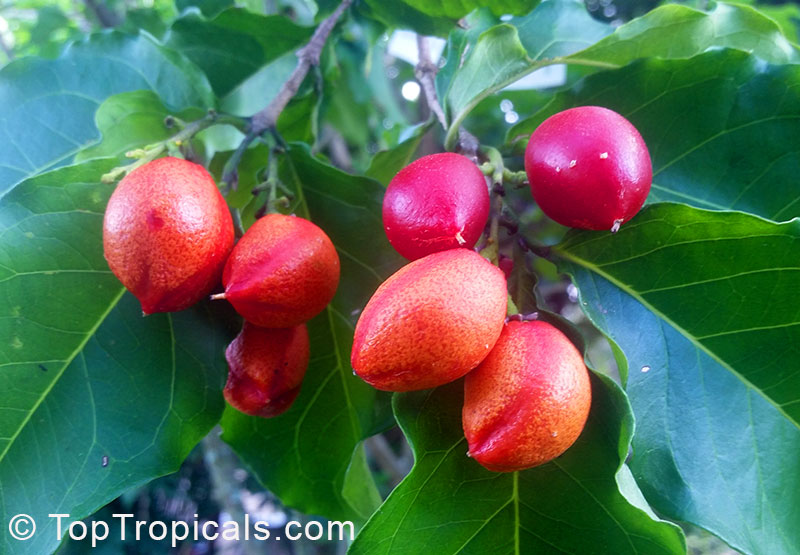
689,316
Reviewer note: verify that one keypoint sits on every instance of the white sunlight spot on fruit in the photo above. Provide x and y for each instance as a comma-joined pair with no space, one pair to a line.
604,155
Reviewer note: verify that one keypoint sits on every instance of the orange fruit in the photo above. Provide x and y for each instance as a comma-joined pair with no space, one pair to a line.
431,322
167,233
528,401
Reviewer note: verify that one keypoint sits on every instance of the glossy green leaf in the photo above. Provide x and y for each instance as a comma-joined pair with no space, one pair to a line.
306,456
505,53
721,128
235,44
401,15
49,105
76,368
704,306
456,9
386,163
131,120
450,504
209,8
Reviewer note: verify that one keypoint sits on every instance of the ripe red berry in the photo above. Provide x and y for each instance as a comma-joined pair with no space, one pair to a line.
436,203
267,366
167,233
588,167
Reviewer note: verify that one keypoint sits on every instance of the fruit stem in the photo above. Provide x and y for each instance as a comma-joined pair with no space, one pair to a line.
492,249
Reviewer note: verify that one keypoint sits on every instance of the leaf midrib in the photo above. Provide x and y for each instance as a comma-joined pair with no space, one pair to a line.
79,348
691,338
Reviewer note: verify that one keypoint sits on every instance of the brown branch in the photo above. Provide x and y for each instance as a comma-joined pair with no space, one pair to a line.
104,16
308,56
425,72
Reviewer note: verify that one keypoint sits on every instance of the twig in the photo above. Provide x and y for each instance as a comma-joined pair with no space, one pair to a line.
386,459
307,56
425,72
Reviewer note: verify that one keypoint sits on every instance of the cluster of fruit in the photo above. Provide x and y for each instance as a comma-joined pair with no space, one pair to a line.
527,392
168,236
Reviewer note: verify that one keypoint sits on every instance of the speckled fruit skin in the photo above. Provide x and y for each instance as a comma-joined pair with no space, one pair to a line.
431,322
167,233
433,202
282,272
267,366
588,167
528,401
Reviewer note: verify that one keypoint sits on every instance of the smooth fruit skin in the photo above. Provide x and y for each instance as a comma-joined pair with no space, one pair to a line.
436,203
431,322
267,366
167,233
588,167
528,401
282,272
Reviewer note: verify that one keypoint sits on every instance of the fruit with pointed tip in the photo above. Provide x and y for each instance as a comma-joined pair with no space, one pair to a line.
167,233
528,401
436,203
282,272
431,322
267,366
588,167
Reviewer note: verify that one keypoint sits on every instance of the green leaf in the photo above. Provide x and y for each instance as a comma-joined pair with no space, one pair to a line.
131,120
450,504
501,55
76,367
386,163
309,456
704,306
401,15
208,8
455,9
721,128
235,44
49,105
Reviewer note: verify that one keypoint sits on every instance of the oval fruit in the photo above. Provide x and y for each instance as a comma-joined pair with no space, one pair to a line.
267,366
436,203
588,167
528,401
166,234
282,272
431,322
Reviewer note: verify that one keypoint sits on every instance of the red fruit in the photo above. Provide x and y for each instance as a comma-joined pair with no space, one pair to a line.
528,401
431,322
589,168
267,366
437,203
166,234
282,272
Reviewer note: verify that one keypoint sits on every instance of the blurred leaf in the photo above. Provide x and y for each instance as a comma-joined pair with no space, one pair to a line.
507,52
309,455
208,8
235,44
386,163
131,120
83,376
704,306
456,9
258,90
721,128
49,105
450,504
398,14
